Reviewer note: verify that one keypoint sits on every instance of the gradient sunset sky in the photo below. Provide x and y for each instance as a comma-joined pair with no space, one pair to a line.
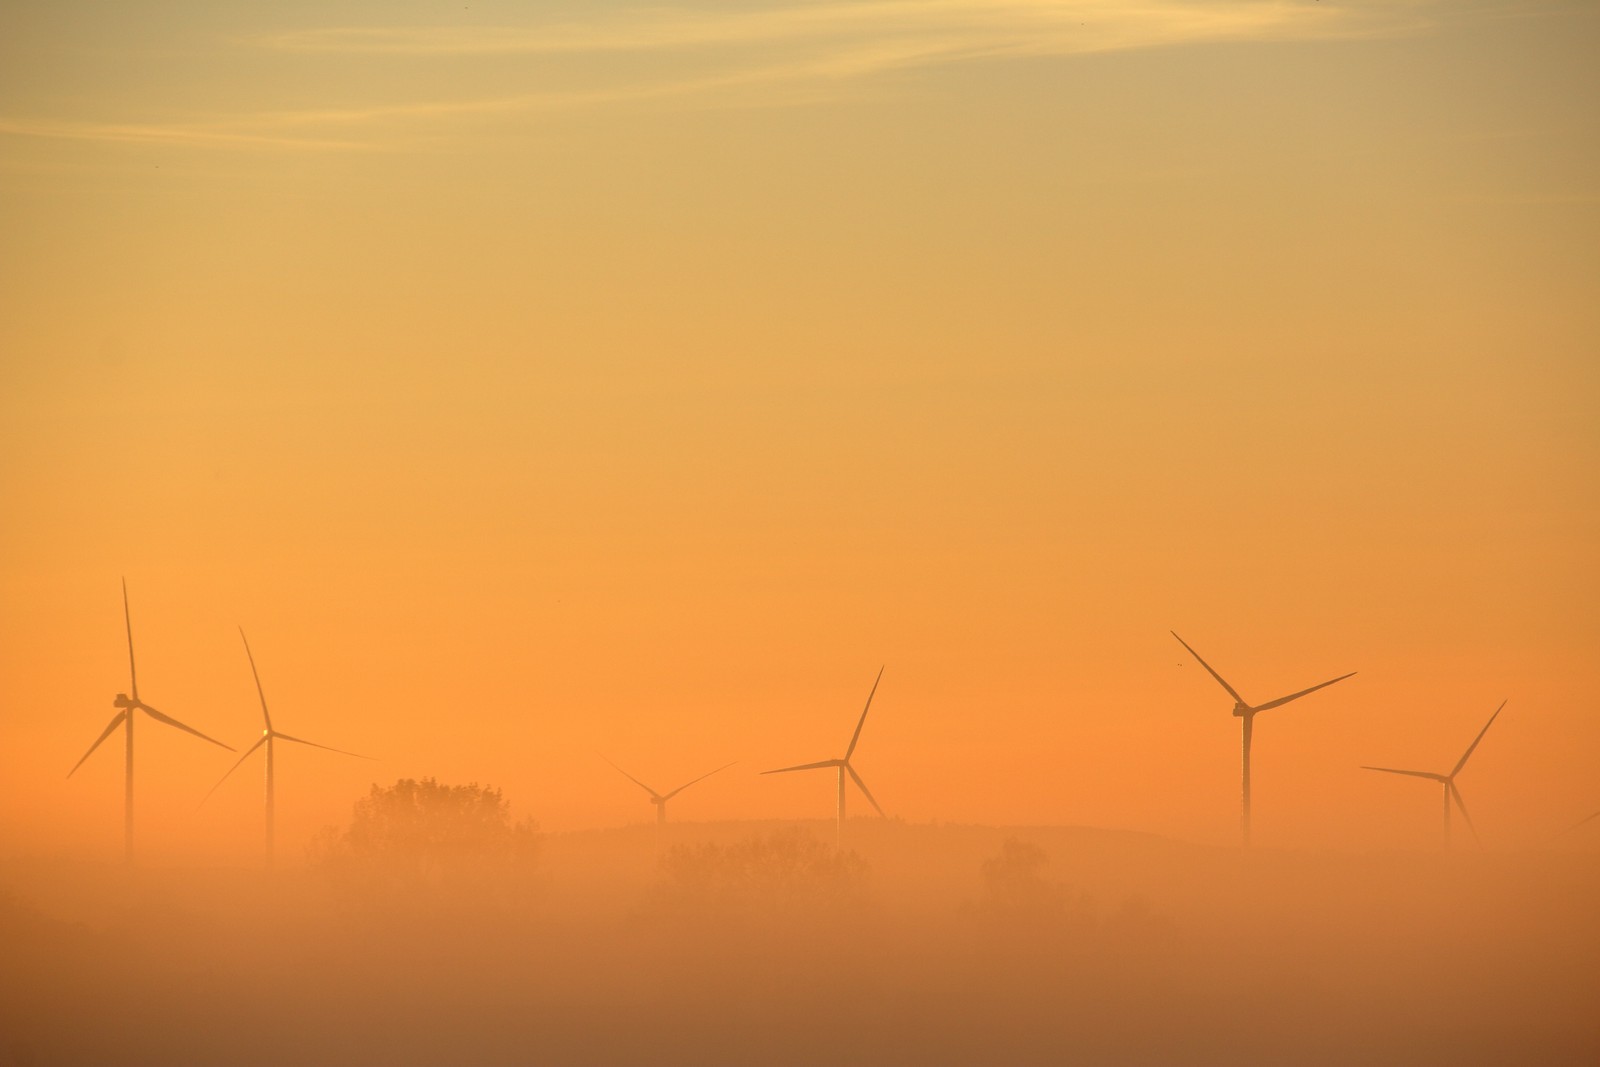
532,380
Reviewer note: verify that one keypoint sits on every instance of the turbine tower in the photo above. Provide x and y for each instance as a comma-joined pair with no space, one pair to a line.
844,767
1449,780
126,704
1246,714
660,799
268,736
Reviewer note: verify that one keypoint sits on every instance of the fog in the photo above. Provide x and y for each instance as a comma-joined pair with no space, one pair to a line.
469,938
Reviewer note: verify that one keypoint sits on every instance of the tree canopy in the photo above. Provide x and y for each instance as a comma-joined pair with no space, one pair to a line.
784,872
423,832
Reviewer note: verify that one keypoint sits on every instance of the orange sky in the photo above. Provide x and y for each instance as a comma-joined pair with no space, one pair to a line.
640,381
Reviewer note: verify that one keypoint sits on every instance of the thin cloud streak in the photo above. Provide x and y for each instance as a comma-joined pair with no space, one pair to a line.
211,134
1046,25
861,40
812,53
178,134
837,43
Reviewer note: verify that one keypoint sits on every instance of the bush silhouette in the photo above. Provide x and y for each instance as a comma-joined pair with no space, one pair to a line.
1020,905
419,835
781,873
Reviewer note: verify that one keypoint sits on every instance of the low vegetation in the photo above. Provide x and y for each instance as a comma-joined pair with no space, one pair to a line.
435,928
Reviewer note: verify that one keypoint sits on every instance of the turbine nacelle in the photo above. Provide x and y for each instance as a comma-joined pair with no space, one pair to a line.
126,704
267,739
659,800
1451,793
1246,714
843,764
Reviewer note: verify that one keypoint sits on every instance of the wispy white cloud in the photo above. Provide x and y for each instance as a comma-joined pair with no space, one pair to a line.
740,57
1018,26
198,135
827,44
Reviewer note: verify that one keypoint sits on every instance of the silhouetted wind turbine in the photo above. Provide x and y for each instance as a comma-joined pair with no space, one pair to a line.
1449,780
128,703
660,799
268,736
1246,713
844,766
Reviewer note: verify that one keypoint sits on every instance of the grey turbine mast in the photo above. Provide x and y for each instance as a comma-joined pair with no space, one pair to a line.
660,799
126,704
1246,713
844,766
1448,781
269,734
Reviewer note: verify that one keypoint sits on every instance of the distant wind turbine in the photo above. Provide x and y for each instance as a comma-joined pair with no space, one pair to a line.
844,766
268,736
1449,780
660,799
1246,713
128,703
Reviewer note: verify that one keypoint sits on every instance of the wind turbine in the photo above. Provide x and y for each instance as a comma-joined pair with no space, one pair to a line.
126,704
268,736
1449,780
844,766
660,799
1246,713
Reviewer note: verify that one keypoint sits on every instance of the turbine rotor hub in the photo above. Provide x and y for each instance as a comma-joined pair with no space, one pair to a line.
123,701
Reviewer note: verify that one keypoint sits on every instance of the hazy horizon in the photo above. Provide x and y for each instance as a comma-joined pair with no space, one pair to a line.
758,942
542,386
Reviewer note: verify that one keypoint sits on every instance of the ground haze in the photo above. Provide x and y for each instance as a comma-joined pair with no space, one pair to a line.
752,942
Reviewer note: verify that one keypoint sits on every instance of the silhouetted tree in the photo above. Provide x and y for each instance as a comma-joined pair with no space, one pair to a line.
784,872
1015,886
1020,904
419,834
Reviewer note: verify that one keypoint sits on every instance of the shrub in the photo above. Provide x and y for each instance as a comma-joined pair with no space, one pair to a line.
419,836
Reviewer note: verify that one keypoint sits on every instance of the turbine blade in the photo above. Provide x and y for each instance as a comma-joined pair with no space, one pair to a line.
1303,692
863,720
1234,693
1462,805
1415,774
702,778
313,744
1580,822
632,779
127,621
806,766
265,714
224,778
170,721
1465,755
116,721
863,786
